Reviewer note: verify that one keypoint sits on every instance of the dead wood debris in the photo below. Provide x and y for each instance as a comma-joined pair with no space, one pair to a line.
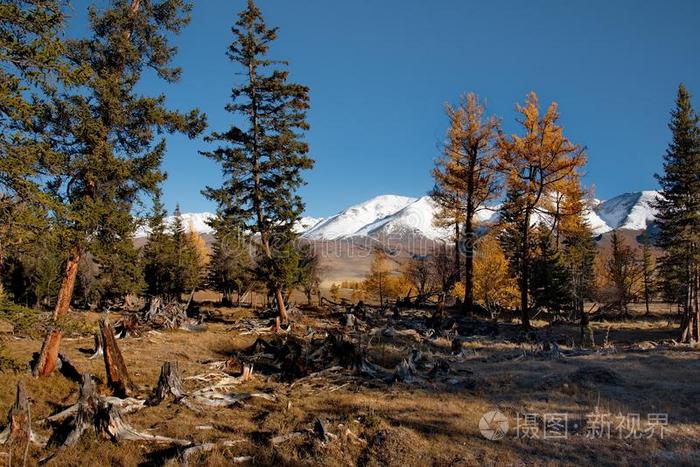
101,415
186,454
118,378
19,422
214,395
169,385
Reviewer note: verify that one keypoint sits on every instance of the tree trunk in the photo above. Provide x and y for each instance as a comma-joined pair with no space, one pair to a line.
47,361
458,263
169,384
280,305
65,293
117,375
19,423
468,306
524,273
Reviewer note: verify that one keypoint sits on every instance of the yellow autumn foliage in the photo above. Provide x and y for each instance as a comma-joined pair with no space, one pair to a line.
493,282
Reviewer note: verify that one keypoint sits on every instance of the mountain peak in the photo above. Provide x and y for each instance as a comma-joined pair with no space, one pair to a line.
400,216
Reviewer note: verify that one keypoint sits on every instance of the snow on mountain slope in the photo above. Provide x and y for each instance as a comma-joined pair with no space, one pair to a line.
397,216
415,219
349,221
307,223
631,211
598,225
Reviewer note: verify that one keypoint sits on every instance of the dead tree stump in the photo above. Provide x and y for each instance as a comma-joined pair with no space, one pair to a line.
99,414
47,361
19,422
98,352
117,375
169,384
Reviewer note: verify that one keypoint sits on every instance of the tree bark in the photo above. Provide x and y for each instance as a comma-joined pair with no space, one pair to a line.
468,266
280,305
18,429
65,293
48,356
117,375
169,384
524,273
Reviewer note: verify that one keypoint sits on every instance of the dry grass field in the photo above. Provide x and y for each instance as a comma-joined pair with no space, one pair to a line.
429,418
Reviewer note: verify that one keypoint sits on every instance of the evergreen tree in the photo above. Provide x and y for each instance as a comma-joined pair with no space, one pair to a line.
309,272
30,62
263,159
231,267
535,163
648,271
157,253
466,178
549,280
187,263
679,213
105,130
579,248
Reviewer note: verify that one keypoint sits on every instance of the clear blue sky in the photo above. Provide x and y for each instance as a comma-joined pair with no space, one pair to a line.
380,73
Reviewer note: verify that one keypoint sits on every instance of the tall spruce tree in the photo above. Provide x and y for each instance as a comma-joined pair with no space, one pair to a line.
263,159
466,178
679,213
106,129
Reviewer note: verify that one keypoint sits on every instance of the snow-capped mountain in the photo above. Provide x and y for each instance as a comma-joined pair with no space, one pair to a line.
307,223
631,211
401,216
349,222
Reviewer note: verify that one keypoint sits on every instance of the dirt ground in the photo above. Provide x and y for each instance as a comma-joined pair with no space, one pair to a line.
630,400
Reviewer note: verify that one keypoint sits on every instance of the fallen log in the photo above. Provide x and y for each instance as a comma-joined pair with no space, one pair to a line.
47,361
117,375
19,422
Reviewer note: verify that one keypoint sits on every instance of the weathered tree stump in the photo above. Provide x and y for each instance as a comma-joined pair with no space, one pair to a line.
19,421
117,375
101,415
169,384
99,348
47,361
